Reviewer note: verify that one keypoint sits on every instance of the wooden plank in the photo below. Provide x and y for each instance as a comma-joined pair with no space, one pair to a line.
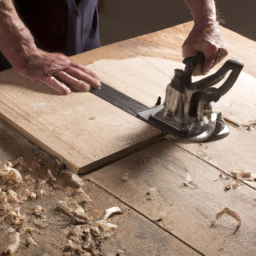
80,128
186,212
234,153
136,234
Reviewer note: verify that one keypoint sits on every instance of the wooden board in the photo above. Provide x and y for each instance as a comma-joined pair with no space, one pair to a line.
80,129
234,153
186,212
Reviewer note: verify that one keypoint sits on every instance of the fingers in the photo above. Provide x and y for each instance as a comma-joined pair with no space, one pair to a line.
84,69
214,59
72,81
56,85
85,77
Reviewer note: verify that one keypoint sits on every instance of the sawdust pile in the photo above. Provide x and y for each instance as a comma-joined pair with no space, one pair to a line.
22,186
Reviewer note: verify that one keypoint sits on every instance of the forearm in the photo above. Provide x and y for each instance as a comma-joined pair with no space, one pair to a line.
203,12
16,42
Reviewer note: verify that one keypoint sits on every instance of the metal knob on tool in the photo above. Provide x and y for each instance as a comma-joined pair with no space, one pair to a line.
187,112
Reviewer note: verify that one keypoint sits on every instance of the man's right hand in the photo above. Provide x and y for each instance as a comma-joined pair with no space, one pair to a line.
56,71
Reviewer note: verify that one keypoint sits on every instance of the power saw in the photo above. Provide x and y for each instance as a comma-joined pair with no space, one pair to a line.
186,112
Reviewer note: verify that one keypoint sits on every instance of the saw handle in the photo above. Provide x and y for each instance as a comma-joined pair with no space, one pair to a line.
191,63
233,65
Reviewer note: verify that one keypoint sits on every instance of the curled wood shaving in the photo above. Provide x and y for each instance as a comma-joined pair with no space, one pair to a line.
111,211
232,214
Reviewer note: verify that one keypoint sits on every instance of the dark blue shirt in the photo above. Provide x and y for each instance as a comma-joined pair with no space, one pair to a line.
66,26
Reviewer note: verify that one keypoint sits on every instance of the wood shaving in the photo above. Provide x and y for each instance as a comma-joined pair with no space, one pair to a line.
19,161
32,196
11,175
15,242
151,194
81,196
12,196
233,184
95,232
111,211
189,181
31,241
50,178
239,178
41,192
106,226
232,214
39,212
80,214
125,178
253,177
4,204
240,175
63,207
15,219
222,176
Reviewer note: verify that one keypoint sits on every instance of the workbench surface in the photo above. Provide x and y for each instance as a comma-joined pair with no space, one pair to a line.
173,189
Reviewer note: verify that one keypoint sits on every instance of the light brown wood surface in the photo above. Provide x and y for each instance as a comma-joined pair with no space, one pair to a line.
186,212
85,131
80,129
136,235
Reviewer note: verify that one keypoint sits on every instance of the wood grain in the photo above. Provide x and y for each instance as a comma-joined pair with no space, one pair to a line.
188,212
80,128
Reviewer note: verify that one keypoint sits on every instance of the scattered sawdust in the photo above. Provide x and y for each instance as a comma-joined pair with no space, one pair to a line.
237,179
189,181
125,178
151,194
223,176
232,214
24,188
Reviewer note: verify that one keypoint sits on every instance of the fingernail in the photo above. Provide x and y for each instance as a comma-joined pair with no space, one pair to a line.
98,82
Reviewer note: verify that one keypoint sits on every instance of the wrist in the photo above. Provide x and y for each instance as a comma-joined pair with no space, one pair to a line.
16,42
203,12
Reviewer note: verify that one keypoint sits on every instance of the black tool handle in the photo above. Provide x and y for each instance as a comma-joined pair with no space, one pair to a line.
233,65
191,63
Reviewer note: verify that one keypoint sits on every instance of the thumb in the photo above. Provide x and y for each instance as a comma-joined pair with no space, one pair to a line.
188,51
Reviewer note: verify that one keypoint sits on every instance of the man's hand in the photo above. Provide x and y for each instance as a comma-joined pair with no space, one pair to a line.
53,69
205,36
57,71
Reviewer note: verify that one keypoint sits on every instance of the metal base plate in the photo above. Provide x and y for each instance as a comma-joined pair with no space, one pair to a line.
171,127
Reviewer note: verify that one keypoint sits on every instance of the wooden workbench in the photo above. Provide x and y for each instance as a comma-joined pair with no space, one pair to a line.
183,215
